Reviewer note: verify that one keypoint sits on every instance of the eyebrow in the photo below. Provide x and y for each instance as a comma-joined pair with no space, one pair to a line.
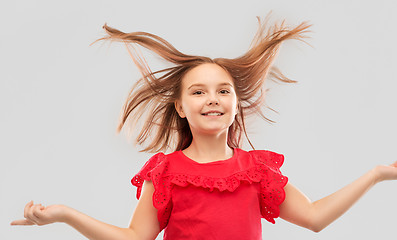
200,84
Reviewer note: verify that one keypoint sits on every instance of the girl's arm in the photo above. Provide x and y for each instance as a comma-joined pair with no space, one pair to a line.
298,209
143,226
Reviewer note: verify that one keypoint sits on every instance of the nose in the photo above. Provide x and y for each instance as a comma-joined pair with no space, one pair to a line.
213,100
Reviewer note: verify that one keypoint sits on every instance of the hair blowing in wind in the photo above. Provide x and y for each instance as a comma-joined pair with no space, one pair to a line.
151,99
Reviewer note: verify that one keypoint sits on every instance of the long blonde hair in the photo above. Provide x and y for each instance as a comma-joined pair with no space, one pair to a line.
152,97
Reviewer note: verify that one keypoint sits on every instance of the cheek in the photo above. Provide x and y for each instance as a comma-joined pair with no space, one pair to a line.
192,106
232,103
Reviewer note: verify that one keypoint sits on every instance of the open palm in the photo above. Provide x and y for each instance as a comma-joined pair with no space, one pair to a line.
36,214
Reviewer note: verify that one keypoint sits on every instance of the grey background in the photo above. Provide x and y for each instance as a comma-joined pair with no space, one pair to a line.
60,101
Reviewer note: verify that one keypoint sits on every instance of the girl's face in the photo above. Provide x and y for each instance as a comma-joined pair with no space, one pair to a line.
208,99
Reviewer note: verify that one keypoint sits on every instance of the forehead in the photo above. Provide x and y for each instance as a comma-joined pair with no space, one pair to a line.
206,74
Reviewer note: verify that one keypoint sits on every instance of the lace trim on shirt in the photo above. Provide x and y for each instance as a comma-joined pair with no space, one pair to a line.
266,172
155,170
273,183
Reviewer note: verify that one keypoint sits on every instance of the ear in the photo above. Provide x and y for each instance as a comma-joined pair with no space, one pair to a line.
178,108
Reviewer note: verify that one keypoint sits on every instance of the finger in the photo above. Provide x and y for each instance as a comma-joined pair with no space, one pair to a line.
37,211
32,214
22,222
27,207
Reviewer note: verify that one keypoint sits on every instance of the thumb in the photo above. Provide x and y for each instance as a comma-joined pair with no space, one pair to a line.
22,222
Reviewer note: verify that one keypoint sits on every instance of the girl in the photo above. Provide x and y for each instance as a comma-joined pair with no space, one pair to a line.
207,187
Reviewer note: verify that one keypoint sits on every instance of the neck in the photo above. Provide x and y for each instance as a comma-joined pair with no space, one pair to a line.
205,147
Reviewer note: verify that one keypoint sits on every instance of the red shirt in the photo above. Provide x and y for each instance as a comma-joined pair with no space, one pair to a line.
223,199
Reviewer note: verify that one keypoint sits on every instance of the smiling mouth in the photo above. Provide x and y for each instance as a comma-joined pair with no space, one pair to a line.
212,114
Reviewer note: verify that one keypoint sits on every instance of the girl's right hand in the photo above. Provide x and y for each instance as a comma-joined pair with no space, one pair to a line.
40,215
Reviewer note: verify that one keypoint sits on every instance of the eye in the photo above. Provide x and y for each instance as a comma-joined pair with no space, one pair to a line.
225,91
197,92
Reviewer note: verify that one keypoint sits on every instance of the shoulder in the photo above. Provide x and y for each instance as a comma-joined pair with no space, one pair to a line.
155,160
159,159
267,157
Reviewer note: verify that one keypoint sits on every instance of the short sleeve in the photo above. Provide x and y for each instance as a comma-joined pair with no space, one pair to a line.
272,192
146,172
155,170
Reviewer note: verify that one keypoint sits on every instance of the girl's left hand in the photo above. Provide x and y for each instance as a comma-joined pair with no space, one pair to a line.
386,172
36,214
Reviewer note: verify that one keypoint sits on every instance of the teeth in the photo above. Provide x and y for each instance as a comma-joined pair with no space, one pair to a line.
213,114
